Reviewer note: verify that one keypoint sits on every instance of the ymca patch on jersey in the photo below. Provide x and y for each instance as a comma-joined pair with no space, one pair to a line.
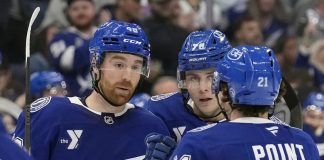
162,96
39,104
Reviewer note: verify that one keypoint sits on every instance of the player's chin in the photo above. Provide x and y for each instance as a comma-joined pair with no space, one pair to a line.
122,99
209,110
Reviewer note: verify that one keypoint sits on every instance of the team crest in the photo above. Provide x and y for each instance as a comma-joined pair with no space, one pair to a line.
39,104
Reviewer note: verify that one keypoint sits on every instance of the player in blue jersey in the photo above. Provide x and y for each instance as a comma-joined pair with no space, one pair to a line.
8,149
102,125
47,83
44,84
69,52
252,77
195,105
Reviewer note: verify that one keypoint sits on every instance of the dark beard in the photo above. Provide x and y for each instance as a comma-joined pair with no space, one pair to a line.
117,99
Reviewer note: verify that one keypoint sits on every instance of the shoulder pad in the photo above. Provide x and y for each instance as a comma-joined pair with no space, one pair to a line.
162,96
203,128
39,104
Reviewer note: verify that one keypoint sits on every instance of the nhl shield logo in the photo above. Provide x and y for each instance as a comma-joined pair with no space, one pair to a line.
109,120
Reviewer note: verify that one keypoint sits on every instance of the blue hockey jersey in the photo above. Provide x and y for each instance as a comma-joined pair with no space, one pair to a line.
9,150
66,129
248,139
71,57
172,110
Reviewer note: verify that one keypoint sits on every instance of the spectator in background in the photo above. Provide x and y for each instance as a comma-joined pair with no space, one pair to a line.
9,121
9,111
69,49
314,119
124,10
247,31
271,16
9,88
194,12
39,59
165,35
310,25
165,84
290,60
316,61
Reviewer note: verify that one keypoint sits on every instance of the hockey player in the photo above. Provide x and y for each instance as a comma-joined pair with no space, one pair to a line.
195,105
102,125
253,78
8,149
69,53
43,84
47,83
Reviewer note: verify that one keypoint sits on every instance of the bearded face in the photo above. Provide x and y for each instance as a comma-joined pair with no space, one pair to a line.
120,77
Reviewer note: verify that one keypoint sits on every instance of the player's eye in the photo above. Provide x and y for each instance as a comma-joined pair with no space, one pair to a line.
193,79
137,68
210,78
119,66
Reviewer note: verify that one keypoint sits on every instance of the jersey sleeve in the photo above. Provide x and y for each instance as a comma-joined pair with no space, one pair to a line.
43,129
9,150
155,108
314,150
189,148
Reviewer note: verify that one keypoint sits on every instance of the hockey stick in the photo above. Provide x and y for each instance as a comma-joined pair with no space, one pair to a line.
27,108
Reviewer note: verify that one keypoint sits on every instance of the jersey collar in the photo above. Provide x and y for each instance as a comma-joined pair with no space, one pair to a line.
77,100
253,120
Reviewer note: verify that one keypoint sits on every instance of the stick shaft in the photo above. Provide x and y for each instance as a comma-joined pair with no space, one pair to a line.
27,138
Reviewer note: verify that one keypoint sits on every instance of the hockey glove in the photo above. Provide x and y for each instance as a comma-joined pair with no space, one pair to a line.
159,147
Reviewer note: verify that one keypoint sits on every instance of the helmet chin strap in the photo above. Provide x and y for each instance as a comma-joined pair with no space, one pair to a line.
96,87
222,109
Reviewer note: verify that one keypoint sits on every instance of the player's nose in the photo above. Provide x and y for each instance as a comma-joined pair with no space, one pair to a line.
126,75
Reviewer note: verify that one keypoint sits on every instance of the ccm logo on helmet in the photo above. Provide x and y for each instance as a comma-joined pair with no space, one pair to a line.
197,59
132,41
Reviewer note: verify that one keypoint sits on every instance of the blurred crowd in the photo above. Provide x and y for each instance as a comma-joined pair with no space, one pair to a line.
60,38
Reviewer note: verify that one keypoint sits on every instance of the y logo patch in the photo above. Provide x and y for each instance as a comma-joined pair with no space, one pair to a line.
75,136
179,132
